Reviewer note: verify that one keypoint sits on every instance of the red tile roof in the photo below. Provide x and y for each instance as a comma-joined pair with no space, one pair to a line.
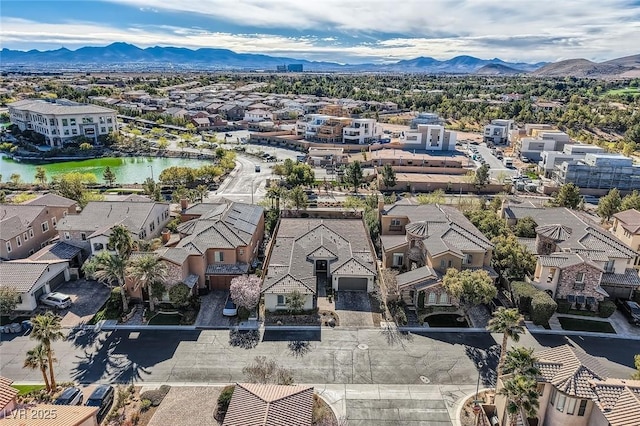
7,393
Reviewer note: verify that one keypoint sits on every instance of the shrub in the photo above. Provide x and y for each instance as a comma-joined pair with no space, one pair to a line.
606,308
421,300
224,399
523,293
563,306
145,404
156,396
114,303
542,308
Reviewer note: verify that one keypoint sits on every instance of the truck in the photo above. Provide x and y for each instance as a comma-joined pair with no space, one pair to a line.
508,162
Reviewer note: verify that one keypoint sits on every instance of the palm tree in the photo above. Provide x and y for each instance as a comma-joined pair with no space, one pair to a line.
37,359
146,271
109,269
46,329
521,361
522,395
120,240
507,322
147,245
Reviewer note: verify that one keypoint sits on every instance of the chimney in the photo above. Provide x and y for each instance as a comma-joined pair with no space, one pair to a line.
166,235
184,203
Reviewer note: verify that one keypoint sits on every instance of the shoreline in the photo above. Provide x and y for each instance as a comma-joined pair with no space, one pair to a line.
112,154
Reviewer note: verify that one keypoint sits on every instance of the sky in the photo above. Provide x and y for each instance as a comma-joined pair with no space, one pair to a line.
345,31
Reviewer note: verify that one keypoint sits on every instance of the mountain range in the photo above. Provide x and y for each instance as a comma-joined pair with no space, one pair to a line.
127,56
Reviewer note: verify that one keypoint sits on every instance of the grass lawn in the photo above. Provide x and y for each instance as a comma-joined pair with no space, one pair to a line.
446,320
25,389
575,324
625,91
165,319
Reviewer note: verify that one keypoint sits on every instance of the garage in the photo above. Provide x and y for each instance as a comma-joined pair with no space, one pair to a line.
352,283
57,281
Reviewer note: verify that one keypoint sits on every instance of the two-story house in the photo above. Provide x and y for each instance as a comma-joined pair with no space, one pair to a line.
626,227
26,228
577,260
91,228
426,240
575,391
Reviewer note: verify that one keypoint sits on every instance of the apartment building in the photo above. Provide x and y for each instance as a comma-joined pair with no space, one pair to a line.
362,131
334,129
531,148
599,171
550,160
61,120
429,137
425,118
498,131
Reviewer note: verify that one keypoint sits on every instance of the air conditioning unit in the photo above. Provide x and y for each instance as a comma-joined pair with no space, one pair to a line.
494,421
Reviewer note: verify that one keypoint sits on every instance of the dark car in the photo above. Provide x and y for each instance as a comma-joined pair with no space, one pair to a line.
102,398
630,309
70,396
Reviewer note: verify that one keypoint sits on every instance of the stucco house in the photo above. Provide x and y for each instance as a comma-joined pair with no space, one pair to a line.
7,396
423,241
577,260
31,279
626,227
575,391
310,255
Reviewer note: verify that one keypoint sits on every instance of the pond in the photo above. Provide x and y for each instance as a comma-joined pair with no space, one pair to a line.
446,320
127,169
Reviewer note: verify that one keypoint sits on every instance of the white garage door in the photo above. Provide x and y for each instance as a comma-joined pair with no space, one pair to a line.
352,283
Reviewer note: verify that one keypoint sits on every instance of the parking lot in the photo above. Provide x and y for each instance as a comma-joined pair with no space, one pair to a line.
87,297
496,166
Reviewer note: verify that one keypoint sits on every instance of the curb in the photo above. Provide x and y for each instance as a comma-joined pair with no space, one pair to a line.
585,333
460,403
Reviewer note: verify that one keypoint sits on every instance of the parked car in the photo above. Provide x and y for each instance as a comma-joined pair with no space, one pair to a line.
230,308
630,309
70,396
102,397
56,300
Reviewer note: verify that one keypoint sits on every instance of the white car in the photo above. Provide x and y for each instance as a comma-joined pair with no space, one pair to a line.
56,300
230,309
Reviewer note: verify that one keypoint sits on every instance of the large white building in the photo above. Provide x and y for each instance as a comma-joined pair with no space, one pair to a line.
61,120
330,129
362,131
498,131
429,138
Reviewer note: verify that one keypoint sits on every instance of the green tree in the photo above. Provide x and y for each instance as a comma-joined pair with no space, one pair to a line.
636,361
521,362
15,178
508,322
109,176
120,240
481,177
630,201
295,301
151,189
354,175
511,259
568,196
190,127
297,198
179,294
525,228
46,330
85,146
146,271
354,203
41,175
109,269
163,143
609,204
487,222
470,287
388,176
275,193
522,396
73,185
9,298
37,360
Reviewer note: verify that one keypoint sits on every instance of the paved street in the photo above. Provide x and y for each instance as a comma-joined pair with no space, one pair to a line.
323,356
496,165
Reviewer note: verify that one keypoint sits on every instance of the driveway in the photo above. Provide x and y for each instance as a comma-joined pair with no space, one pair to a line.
210,315
87,296
187,405
353,309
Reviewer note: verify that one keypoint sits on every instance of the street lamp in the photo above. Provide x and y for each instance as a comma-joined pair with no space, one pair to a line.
151,167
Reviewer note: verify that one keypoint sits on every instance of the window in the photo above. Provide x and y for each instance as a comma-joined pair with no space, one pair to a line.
66,132
65,122
282,300
54,221
443,264
103,129
31,252
218,256
24,236
571,406
552,272
83,236
554,392
398,259
8,247
580,278
30,232
608,266
109,120
583,407
468,259
432,298
73,121
395,222
241,252
98,246
45,227
19,241
444,299
152,226
67,236
74,131
540,389
560,403
87,120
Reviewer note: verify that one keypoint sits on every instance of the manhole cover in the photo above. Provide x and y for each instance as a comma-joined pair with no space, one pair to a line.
425,379
363,347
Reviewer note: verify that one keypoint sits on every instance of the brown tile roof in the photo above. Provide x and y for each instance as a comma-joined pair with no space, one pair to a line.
7,393
272,405
618,400
65,415
630,220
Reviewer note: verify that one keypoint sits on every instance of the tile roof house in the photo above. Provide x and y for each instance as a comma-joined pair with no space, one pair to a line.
26,228
65,415
427,240
270,405
577,260
7,396
90,229
626,226
31,279
574,390
309,254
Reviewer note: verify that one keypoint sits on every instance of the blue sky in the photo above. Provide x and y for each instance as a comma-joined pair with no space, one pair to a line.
348,31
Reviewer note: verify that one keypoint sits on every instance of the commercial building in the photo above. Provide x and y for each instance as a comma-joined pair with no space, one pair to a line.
61,120
549,160
542,140
429,137
498,131
599,171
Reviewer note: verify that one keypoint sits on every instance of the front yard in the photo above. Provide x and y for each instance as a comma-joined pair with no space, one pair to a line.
575,324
